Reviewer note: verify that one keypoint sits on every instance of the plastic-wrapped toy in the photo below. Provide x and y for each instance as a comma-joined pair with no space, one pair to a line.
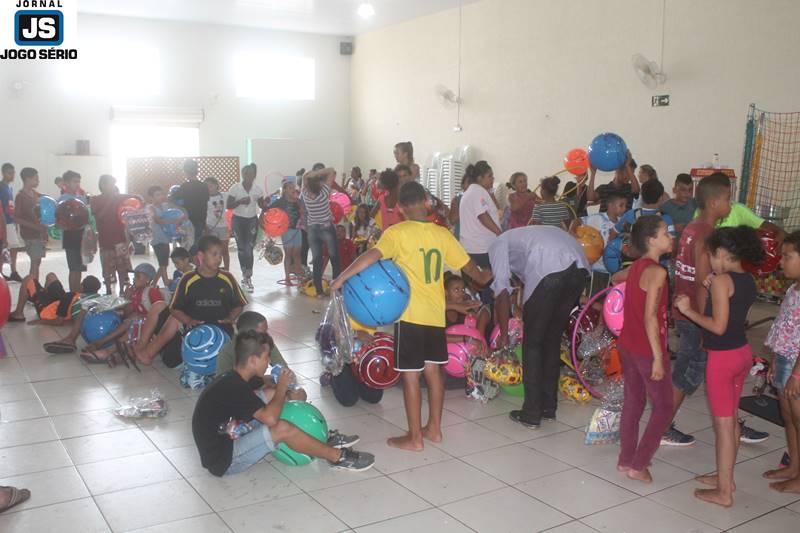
153,406
137,222
234,428
503,367
478,386
514,333
572,388
335,336
271,252
603,428
760,370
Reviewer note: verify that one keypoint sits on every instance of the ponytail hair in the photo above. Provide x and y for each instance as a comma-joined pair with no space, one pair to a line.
407,148
473,172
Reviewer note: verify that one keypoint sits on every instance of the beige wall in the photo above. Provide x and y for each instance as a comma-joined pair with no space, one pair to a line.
542,76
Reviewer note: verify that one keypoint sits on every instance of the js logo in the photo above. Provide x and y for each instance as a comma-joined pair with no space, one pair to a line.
39,28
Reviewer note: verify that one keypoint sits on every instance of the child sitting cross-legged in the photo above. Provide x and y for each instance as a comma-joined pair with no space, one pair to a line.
230,398
206,295
143,299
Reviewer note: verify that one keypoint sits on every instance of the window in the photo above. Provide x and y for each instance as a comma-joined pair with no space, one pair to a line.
275,77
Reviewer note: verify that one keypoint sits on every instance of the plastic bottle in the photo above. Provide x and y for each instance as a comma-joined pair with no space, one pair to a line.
715,161
275,372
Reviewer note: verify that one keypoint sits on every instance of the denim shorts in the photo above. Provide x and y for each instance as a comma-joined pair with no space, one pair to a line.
689,369
292,238
251,448
781,372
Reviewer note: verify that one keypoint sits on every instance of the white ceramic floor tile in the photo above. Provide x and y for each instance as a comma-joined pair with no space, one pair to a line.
576,493
172,435
33,458
575,526
127,472
503,425
515,464
68,387
48,367
781,520
573,413
105,446
47,488
511,510
186,460
17,393
568,447
688,421
295,513
89,423
333,411
154,504
386,499
746,507
430,520
209,523
259,483
26,432
319,475
78,403
748,477
469,437
390,460
24,410
664,475
77,516
446,482
474,410
398,417
645,515
11,371
698,458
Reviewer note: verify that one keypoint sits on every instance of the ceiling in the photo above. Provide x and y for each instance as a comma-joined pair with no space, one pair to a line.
336,17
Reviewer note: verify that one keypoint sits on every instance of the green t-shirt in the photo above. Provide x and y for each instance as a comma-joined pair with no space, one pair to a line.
740,215
227,356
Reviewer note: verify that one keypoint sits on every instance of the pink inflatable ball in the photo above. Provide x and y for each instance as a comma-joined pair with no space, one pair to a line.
342,199
471,344
614,308
514,333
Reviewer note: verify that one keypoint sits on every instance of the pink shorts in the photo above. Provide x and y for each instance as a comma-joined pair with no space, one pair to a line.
726,371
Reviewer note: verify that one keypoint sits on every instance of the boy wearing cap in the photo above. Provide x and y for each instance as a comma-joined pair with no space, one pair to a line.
143,299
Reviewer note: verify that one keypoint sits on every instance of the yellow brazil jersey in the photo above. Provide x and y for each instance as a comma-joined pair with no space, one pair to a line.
422,250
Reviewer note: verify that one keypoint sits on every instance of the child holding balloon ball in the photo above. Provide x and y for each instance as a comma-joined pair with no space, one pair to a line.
160,241
292,239
421,249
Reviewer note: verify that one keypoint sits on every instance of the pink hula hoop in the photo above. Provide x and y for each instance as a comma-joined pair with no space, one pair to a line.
574,339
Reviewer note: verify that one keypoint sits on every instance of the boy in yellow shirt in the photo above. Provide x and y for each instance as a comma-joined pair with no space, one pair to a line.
421,249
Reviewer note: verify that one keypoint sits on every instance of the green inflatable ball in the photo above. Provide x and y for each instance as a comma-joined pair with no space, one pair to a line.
54,233
308,418
517,390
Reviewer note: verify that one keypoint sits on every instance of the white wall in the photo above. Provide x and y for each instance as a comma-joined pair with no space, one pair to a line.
196,71
543,76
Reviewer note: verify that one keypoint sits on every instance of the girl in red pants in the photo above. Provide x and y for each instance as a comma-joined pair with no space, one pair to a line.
733,291
643,347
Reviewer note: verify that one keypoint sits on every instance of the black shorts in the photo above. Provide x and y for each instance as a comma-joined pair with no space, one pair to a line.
415,345
74,259
162,253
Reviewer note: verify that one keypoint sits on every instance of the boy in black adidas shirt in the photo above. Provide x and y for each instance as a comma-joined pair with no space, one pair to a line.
206,295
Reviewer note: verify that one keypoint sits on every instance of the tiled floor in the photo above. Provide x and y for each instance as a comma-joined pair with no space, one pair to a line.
91,471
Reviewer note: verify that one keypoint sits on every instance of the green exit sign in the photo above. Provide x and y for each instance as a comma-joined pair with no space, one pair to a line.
661,100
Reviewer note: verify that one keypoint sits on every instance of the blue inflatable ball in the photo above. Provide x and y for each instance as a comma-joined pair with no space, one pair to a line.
47,210
200,348
378,295
171,214
309,419
612,254
608,152
95,326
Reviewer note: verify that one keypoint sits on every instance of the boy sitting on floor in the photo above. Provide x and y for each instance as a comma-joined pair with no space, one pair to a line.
142,297
206,295
230,397
53,304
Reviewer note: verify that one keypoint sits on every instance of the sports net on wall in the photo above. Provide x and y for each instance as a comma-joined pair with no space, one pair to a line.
144,172
770,183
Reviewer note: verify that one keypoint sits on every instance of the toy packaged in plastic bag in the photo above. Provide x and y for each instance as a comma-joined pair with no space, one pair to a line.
335,336
107,302
153,406
603,427
234,428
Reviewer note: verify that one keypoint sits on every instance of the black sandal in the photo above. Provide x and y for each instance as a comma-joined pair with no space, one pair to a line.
18,496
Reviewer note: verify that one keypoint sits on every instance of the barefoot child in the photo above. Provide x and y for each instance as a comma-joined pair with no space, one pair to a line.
730,357
643,347
421,249
784,340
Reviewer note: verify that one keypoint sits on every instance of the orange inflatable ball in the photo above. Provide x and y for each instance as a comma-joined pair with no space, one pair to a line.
576,162
275,222
128,204
592,242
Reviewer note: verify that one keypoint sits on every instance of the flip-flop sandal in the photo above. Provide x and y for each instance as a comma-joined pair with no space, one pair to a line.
90,358
124,350
17,497
59,347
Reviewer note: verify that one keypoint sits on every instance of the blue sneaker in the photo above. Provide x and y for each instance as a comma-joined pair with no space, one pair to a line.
674,437
750,435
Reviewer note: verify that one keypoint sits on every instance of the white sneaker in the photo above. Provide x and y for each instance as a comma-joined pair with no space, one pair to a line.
247,283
